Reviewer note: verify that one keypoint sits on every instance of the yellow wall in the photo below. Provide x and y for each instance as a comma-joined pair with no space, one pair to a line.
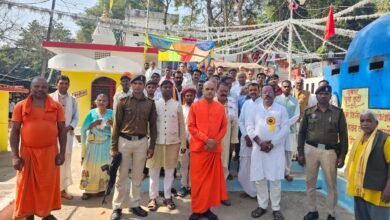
83,80
4,99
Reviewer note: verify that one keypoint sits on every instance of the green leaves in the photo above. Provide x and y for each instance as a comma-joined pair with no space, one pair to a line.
24,59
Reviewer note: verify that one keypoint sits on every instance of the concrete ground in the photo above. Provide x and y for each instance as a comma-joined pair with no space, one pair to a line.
293,204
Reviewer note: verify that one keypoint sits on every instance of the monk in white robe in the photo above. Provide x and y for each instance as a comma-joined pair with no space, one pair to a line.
268,128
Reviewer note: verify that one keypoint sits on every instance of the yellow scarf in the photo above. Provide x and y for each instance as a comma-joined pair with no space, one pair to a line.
361,164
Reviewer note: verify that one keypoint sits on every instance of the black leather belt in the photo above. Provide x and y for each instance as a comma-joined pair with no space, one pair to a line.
132,137
321,146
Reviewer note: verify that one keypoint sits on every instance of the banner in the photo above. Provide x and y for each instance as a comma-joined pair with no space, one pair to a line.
354,102
180,49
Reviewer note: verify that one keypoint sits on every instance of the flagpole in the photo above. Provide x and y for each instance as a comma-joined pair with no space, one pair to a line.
290,39
146,31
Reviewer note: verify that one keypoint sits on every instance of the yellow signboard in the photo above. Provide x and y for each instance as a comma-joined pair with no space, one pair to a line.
354,102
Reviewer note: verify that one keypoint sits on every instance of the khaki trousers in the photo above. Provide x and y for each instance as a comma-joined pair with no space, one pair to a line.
327,159
134,156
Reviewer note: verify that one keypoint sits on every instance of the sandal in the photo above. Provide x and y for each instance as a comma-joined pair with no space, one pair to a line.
66,196
278,215
258,212
85,196
169,204
243,195
152,205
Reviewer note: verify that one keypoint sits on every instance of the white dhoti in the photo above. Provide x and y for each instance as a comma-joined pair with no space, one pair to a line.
65,169
290,151
248,186
184,160
71,119
244,173
225,159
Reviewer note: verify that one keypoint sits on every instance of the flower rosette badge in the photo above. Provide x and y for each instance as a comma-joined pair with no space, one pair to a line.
271,123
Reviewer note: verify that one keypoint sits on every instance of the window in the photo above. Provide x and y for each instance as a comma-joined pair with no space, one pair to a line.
103,85
100,55
335,70
377,63
353,67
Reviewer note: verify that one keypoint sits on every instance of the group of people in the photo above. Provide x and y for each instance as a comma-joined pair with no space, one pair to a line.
194,121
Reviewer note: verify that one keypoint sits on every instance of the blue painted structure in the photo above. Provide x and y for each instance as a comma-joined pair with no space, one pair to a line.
366,65
362,67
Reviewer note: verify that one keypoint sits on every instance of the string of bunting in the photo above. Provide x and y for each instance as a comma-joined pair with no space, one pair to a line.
240,37
254,43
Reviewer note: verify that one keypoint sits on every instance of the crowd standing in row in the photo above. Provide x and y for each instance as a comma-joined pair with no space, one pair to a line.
197,119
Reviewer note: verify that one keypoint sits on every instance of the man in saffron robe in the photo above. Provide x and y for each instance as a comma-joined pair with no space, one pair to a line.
207,126
38,122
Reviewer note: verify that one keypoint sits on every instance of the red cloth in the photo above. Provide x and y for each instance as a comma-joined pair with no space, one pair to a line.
38,183
278,90
330,26
208,187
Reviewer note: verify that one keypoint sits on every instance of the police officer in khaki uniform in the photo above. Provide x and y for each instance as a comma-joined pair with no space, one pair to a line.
132,117
322,141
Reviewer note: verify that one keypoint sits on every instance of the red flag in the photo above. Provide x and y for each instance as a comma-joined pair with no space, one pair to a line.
330,26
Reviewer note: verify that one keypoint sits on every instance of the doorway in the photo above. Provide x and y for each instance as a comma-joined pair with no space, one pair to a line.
103,85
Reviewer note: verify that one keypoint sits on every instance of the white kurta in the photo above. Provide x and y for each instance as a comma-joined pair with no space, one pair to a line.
150,71
185,157
236,89
247,185
313,100
187,80
271,165
231,136
118,96
247,110
291,141
72,119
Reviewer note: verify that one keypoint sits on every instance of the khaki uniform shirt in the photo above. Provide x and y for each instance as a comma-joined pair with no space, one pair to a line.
329,128
132,117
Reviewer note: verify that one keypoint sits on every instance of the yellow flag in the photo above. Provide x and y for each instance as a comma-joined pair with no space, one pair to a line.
111,3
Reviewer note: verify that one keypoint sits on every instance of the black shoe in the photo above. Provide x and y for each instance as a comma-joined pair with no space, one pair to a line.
138,211
195,216
183,192
31,217
226,202
116,214
311,216
210,215
173,191
331,217
49,217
